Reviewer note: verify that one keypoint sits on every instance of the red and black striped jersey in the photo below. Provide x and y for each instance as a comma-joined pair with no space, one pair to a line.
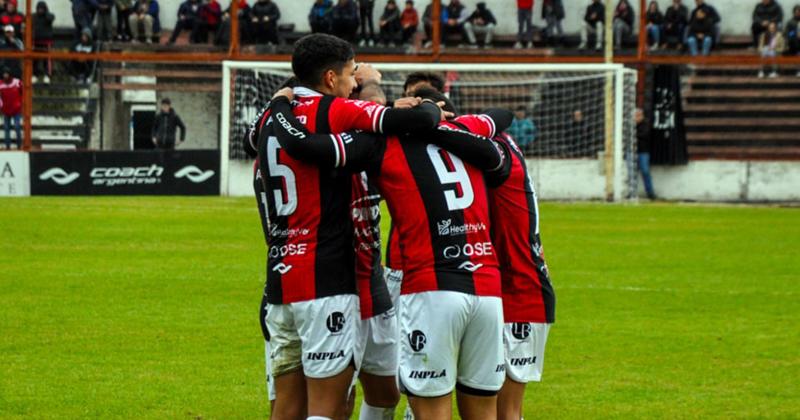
528,294
394,255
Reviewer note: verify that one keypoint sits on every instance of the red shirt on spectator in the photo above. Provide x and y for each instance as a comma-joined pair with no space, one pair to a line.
525,4
11,95
409,18
211,13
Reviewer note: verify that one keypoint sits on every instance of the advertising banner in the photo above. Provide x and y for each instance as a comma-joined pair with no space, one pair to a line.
14,176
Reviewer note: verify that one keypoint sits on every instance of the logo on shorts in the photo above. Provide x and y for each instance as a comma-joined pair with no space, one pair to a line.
523,361
417,340
335,322
521,330
325,355
427,374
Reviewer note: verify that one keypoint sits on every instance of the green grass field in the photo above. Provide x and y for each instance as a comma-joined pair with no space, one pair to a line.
147,308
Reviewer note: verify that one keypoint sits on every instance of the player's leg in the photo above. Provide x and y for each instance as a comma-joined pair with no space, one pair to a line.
285,363
327,397
509,400
481,361
290,396
379,367
524,362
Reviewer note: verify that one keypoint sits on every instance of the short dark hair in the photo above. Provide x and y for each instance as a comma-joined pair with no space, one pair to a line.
315,54
166,101
436,96
434,79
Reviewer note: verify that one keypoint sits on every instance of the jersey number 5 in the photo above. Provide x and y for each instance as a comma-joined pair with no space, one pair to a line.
451,171
286,196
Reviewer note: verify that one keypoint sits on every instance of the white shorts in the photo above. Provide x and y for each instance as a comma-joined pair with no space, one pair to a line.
380,346
524,343
321,335
451,338
270,379
394,281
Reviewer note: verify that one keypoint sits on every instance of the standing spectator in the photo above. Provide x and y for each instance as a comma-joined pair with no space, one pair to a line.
453,19
82,70
793,33
643,151
187,20
701,33
11,96
104,27
365,10
553,14
209,19
345,20
124,10
623,22
675,20
11,43
655,22
593,21
167,121
264,18
390,29
42,40
224,33
320,16
483,22
146,15
13,17
579,137
427,23
83,14
765,12
409,20
710,14
771,44
524,23
522,128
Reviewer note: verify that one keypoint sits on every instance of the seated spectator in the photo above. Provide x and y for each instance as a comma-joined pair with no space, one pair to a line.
104,28
711,14
623,22
209,19
223,36
264,18
344,19
522,128
483,22
524,23
11,99
124,10
701,33
655,20
82,70
771,44
389,24
320,16
11,43
409,20
593,21
42,40
793,33
766,12
675,20
553,14
366,9
187,20
145,19
453,18
427,23
83,14
13,17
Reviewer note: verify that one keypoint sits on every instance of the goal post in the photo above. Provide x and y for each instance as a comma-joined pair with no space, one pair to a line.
565,141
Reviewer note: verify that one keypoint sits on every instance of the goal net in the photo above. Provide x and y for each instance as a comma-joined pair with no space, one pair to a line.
561,127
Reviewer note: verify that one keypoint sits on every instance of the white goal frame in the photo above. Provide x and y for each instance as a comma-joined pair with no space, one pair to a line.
615,182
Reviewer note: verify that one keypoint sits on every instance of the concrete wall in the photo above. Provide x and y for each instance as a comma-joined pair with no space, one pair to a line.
200,112
736,13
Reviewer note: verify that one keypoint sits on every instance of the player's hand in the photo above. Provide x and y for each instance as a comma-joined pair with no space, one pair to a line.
287,92
445,114
365,72
409,102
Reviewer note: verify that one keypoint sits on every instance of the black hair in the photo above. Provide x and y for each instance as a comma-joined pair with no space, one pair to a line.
434,79
166,101
315,54
436,96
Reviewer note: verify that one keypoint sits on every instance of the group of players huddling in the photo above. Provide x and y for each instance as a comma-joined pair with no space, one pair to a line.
464,302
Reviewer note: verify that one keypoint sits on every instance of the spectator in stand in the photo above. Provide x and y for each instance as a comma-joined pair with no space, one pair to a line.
124,10
623,22
389,24
83,14
643,151
409,20
11,96
793,33
655,22
12,44
710,14
209,19
765,12
13,17
593,21
701,33
771,44
365,10
167,121
522,128
524,24
42,40
553,14
223,36
320,16
82,71
453,18
187,20
483,22
146,15
264,18
427,23
105,30
345,20
675,20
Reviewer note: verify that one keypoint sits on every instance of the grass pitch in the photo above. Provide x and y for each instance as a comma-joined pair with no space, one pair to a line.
147,308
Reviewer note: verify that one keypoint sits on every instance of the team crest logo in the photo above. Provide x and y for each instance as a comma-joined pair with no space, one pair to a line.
521,330
444,227
335,322
417,340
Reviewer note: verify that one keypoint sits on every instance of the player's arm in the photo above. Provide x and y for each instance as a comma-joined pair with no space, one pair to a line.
375,118
489,124
478,151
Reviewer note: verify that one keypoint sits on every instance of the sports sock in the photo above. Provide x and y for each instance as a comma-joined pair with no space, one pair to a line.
369,412
318,418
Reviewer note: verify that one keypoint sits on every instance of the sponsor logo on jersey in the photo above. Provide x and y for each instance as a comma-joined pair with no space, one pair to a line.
289,249
417,340
325,355
335,322
446,228
59,176
523,361
194,174
427,374
288,127
275,231
469,266
468,250
282,268
521,330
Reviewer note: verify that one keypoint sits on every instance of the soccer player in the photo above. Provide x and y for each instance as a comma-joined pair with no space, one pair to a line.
450,309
